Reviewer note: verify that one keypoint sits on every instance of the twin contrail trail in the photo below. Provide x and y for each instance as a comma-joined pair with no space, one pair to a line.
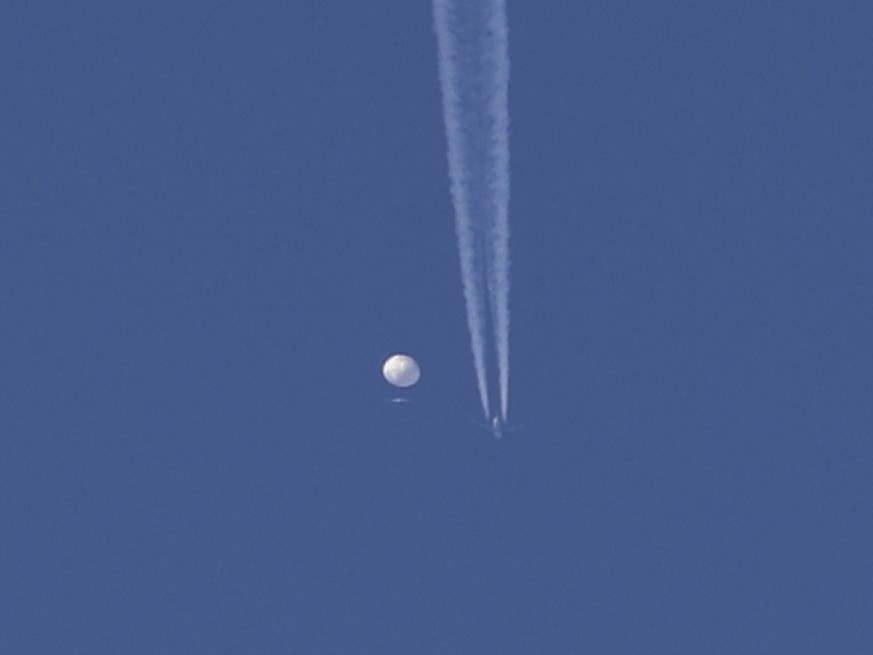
474,75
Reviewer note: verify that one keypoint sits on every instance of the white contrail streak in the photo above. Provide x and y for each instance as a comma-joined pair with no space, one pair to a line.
499,273
474,76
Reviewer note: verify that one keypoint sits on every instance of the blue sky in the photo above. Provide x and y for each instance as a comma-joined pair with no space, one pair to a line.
218,219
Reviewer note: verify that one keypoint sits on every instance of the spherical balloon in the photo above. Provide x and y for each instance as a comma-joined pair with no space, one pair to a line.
401,370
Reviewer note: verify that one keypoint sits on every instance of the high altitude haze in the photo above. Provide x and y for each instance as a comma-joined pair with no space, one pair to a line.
474,75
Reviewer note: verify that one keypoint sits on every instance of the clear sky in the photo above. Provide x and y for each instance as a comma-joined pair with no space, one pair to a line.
216,219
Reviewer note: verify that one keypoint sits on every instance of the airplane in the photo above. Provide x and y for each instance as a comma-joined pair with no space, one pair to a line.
497,427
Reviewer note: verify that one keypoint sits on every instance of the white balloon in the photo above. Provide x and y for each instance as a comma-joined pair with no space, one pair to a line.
401,370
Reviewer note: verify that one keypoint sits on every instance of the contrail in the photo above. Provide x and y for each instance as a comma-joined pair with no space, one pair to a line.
474,75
